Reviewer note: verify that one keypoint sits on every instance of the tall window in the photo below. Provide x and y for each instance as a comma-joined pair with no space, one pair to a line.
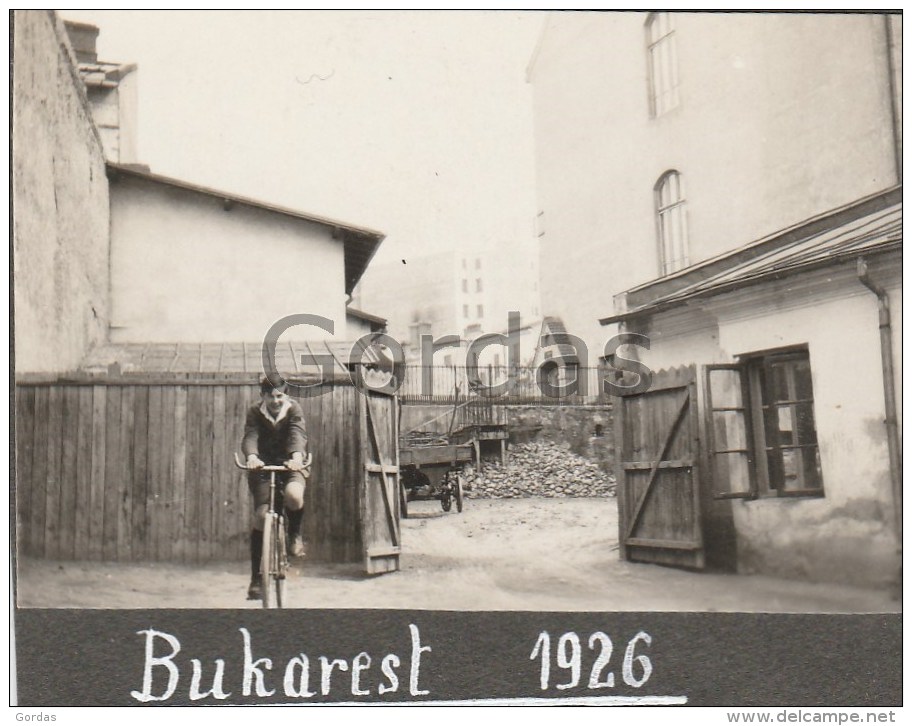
671,216
663,63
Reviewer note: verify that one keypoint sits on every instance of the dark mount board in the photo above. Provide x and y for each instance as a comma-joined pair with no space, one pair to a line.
97,657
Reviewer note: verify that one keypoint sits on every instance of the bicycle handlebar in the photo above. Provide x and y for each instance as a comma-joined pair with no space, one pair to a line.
304,467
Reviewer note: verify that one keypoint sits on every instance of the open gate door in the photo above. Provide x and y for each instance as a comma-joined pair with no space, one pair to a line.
380,533
658,472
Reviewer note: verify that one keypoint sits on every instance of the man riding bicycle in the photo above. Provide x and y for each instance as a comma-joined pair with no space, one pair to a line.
274,435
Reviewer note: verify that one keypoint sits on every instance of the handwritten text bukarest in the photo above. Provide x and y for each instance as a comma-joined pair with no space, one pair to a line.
261,680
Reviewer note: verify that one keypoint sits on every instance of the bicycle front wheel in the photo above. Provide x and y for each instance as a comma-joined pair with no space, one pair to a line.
267,560
281,562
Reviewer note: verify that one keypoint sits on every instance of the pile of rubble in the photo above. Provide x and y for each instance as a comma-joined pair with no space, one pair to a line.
540,470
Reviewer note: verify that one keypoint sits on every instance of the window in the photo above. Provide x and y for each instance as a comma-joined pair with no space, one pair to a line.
477,284
671,220
465,311
477,263
763,439
465,285
663,63
464,265
480,311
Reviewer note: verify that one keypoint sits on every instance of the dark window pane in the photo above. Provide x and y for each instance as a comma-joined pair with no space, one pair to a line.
774,464
779,381
807,433
804,391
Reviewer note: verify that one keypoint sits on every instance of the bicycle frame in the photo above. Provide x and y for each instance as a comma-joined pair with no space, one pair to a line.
274,561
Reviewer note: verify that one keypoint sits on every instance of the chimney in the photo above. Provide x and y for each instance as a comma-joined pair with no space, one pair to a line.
83,37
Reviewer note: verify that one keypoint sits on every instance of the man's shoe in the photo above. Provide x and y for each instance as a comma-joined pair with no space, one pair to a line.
255,591
296,546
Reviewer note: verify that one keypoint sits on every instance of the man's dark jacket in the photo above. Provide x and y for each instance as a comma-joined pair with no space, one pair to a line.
274,441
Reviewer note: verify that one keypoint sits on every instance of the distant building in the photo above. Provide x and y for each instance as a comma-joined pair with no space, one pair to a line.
460,294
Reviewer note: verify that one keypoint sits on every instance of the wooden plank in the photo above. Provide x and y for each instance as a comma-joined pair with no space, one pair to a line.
113,468
139,490
165,503
380,551
156,467
320,495
25,448
38,518
648,465
190,526
238,398
351,472
221,477
97,472
179,446
125,475
204,480
83,501
54,487
621,437
68,472
349,475
381,469
668,544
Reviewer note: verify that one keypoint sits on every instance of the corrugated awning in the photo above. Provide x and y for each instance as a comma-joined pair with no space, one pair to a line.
876,232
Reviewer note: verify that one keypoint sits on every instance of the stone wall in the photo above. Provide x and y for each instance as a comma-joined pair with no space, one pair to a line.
60,202
571,426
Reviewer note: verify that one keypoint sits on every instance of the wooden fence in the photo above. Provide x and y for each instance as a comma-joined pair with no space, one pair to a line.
131,470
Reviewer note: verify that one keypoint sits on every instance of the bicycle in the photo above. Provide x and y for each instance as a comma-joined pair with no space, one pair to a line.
274,562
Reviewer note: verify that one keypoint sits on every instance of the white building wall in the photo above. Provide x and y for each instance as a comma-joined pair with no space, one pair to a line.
847,535
186,270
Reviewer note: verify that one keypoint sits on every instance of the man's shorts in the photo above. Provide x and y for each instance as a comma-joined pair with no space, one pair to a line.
258,483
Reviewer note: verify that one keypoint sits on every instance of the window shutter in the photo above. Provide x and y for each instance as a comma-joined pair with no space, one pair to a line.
728,432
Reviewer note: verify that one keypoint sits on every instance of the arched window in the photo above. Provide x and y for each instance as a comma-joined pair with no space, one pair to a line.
671,218
663,63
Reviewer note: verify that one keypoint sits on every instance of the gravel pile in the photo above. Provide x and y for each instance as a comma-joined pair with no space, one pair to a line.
540,470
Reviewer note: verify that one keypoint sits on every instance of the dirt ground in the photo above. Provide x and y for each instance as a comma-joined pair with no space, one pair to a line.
515,554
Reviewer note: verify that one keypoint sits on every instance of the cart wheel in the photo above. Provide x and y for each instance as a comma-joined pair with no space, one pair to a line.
403,501
446,500
459,493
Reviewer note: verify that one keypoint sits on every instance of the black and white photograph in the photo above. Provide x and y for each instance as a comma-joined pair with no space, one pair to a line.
566,341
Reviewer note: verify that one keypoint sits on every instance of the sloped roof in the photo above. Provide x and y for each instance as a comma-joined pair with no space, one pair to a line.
223,358
360,243
361,315
876,230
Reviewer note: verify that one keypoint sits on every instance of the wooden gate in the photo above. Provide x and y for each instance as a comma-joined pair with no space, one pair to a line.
658,472
380,514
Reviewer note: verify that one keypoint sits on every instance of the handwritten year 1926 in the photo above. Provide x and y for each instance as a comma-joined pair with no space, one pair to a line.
568,656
